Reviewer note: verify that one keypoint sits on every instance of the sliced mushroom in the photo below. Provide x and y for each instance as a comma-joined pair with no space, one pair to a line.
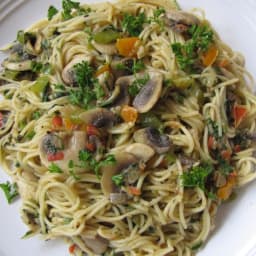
141,151
149,94
68,143
98,117
118,198
123,161
109,49
152,137
18,66
181,17
95,242
120,95
68,74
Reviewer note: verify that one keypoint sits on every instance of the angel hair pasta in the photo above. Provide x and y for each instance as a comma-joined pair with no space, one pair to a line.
124,126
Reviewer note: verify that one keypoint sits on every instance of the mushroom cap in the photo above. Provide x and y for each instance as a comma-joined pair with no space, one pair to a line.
150,93
141,151
69,143
123,161
95,242
152,137
98,117
181,17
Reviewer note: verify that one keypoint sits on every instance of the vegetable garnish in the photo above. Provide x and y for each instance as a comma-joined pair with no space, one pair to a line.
129,114
54,168
127,46
239,113
71,9
118,179
87,159
72,248
138,83
133,25
10,190
57,121
55,156
197,176
134,191
52,11
225,192
188,54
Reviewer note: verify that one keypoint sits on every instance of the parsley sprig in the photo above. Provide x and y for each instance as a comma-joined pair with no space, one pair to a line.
85,93
187,54
86,159
197,176
69,7
133,25
10,190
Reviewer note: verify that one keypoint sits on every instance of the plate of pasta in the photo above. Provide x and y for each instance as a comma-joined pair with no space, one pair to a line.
127,128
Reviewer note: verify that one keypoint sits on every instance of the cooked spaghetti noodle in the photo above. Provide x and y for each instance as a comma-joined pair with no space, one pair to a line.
124,126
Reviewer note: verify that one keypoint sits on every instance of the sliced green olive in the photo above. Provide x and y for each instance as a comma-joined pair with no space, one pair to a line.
106,36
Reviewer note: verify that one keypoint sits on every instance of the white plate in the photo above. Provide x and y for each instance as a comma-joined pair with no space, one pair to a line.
235,233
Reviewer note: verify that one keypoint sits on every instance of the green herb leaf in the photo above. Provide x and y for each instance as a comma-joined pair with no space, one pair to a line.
10,191
52,11
136,86
30,135
70,6
118,179
196,176
133,25
54,168
187,54
71,167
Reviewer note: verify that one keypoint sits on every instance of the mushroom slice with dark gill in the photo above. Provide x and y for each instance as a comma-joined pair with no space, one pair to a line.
180,20
120,95
150,93
68,143
152,137
95,242
98,117
123,161
68,74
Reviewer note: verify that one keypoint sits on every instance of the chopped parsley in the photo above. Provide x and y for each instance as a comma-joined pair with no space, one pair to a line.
54,168
84,77
52,11
197,176
156,16
118,179
137,84
213,128
133,25
69,7
87,160
71,167
187,54
10,190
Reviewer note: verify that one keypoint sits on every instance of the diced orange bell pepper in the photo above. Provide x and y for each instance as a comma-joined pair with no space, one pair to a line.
134,191
129,114
103,69
209,57
239,112
127,46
